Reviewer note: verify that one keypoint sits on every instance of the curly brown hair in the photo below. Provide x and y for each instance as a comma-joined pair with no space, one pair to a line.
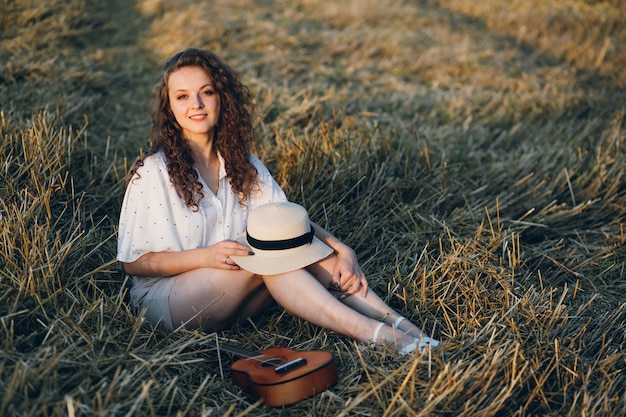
234,133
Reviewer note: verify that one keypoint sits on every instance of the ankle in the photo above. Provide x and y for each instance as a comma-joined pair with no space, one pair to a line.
396,324
376,336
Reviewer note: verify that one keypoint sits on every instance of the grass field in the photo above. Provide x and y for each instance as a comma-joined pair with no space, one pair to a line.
472,153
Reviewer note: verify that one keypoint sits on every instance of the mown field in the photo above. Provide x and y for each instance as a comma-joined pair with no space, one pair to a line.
472,153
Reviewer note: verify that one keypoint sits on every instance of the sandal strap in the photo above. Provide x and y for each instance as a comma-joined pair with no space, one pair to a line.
397,322
377,331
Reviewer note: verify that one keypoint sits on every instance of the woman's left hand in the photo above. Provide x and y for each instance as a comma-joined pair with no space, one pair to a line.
348,274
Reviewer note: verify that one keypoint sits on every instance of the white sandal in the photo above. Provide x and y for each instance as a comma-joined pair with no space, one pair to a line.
396,323
376,332
372,343
420,344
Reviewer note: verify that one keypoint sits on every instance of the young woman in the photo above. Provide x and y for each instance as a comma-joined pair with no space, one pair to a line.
188,201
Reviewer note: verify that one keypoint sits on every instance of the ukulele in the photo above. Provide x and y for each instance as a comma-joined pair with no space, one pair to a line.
280,376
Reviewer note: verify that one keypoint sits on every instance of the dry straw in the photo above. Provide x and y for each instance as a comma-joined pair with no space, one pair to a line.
471,153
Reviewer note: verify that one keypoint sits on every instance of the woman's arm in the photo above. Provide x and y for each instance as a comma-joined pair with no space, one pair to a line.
331,240
165,264
347,273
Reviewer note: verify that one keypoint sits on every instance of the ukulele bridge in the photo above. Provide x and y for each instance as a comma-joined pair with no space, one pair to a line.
286,367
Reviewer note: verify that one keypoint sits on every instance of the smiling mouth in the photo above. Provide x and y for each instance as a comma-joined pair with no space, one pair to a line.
198,116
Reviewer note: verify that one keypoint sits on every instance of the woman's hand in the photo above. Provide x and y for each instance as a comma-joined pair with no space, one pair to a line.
347,273
220,253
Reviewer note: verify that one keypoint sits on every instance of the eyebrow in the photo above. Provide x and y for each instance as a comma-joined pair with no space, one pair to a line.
185,90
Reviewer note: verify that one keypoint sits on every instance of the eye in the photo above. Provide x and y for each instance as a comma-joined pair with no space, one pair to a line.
181,96
208,92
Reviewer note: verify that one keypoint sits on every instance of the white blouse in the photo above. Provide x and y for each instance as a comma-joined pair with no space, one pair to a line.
155,219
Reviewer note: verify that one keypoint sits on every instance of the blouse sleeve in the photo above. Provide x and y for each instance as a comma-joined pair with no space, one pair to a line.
147,218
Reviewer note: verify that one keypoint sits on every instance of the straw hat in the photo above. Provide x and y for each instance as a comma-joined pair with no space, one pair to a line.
282,239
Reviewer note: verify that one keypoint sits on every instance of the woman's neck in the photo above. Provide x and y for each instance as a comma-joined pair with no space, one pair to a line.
208,164
202,152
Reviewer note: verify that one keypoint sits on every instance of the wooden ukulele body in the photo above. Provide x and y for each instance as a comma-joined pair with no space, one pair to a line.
280,376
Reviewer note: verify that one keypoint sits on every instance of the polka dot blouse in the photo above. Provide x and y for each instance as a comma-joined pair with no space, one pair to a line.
155,219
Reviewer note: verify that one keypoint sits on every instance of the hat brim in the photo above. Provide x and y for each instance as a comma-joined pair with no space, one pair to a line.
272,262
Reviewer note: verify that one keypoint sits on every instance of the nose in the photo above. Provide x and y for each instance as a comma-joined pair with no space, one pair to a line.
198,103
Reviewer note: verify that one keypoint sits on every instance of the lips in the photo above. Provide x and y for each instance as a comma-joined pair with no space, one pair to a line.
198,117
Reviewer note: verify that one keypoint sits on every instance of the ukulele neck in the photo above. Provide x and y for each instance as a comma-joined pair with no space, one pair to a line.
242,353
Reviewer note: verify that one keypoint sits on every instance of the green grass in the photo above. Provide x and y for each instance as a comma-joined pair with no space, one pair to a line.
471,153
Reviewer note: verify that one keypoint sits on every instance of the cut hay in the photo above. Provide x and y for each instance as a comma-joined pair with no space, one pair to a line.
471,153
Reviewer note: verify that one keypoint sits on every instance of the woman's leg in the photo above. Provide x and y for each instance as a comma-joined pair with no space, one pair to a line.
209,298
371,305
213,299
300,293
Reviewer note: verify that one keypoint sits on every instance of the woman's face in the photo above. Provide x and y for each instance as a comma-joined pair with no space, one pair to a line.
194,102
